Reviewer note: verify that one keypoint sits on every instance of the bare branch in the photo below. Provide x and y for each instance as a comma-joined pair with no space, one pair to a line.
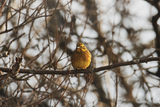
137,61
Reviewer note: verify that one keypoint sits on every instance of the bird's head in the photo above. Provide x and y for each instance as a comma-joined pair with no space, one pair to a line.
80,47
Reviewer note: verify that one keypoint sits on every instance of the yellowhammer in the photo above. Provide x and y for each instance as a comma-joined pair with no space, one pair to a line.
81,57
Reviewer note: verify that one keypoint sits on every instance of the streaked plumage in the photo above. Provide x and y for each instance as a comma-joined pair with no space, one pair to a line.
16,66
81,57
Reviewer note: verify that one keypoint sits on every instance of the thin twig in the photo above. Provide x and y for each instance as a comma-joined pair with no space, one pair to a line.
63,94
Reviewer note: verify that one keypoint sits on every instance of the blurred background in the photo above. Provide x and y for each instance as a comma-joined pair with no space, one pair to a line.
114,31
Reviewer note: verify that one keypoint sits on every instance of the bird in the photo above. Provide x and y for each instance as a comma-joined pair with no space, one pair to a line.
16,66
81,57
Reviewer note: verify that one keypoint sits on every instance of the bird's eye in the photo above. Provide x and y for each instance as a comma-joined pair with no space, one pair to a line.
84,48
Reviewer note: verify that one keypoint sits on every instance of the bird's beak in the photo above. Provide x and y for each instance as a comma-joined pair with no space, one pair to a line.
78,49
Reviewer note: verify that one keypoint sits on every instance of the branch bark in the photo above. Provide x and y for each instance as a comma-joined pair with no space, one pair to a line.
136,61
155,18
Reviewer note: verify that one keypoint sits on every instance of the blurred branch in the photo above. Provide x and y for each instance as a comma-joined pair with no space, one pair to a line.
54,91
1,7
136,61
15,39
155,18
6,50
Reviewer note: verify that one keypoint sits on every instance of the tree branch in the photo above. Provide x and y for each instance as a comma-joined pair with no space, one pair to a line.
137,61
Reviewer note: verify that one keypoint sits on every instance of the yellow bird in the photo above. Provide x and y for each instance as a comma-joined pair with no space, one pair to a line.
81,57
